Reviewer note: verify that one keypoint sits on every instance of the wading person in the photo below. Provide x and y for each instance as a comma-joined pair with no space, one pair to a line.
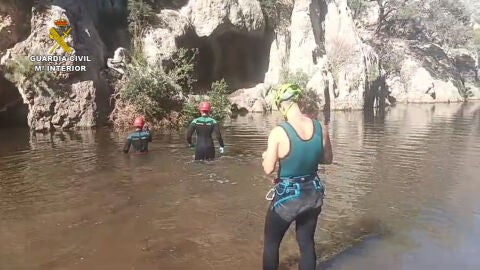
204,126
298,145
138,139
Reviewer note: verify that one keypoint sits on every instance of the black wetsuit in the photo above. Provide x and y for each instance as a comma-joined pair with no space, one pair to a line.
204,127
138,140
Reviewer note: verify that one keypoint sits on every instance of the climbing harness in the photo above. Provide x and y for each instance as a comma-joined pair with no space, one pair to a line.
294,195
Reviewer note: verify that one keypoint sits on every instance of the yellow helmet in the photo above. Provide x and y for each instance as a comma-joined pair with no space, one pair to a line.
287,91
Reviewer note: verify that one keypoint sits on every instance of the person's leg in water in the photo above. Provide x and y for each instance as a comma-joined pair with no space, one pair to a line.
210,153
204,152
275,228
306,224
200,153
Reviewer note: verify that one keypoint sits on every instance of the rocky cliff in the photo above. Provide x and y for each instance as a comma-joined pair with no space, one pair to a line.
425,71
323,44
66,99
236,41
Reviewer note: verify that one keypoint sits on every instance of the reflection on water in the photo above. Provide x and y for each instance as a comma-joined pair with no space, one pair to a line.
401,194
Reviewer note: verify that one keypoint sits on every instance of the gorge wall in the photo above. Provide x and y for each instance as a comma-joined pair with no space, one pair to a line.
235,41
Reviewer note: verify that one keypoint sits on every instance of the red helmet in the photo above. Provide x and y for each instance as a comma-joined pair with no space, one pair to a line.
139,122
204,106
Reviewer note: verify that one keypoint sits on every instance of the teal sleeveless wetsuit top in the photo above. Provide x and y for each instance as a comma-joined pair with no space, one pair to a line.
304,155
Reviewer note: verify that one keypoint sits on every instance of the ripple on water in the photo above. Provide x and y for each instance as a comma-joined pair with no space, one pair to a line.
415,170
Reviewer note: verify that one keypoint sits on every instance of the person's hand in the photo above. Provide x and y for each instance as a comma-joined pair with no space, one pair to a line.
221,150
264,154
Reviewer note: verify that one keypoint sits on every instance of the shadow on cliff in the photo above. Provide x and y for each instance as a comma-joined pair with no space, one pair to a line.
241,58
12,110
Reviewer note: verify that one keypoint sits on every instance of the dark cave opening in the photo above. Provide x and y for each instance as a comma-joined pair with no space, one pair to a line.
13,112
239,58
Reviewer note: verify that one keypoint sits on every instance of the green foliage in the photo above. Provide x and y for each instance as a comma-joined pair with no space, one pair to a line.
218,98
20,68
299,78
22,71
277,13
149,91
140,14
448,23
357,6
269,8
391,60
181,67
445,22
341,51
155,92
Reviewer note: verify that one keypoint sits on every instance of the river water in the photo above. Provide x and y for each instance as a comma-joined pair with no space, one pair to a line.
403,193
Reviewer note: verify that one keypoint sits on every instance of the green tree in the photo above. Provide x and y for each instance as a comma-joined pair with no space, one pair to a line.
140,14
358,7
218,98
445,22
299,78
153,91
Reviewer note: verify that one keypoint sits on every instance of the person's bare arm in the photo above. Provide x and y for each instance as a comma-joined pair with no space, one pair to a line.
270,156
327,157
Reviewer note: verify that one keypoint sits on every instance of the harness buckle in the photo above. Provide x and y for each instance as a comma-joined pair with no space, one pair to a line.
270,194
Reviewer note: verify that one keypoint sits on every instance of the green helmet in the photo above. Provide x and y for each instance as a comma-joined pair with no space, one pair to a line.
287,91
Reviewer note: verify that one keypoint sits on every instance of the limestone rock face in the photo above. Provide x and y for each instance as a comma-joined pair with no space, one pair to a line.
467,64
323,44
278,59
250,99
429,75
209,17
302,38
14,19
159,42
119,60
76,110
66,99
418,86
352,63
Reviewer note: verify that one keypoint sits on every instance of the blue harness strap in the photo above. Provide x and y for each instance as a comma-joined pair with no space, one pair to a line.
285,187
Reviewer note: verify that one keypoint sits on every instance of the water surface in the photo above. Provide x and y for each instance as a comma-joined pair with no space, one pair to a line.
401,194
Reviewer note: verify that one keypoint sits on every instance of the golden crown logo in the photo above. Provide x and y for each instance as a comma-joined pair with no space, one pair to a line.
60,37
60,22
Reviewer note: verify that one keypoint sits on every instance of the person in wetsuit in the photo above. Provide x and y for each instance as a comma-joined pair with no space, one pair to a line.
299,144
138,139
204,126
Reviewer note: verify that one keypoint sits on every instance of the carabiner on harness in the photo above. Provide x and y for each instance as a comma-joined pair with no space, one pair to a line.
270,194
